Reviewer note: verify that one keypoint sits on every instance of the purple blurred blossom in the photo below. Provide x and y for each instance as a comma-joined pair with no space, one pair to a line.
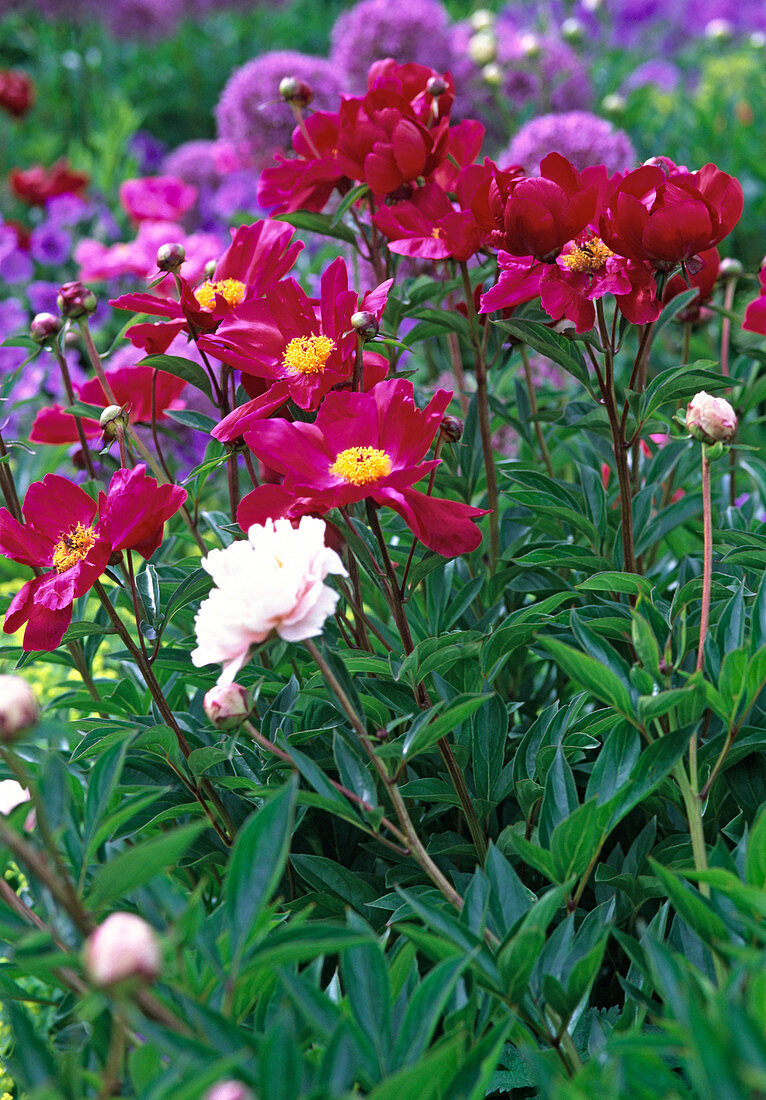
144,19
14,321
581,137
662,74
149,152
67,210
50,244
15,263
237,194
42,296
202,163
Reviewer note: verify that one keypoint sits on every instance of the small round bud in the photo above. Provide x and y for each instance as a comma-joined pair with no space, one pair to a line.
75,301
572,30
482,48
19,709
210,267
719,30
710,419
730,268
530,44
492,74
436,85
481,20
44,327
452,428
613,104
170,256
757,40
229,1090
365,324
295,91
113,419
123,947
228,705
592,6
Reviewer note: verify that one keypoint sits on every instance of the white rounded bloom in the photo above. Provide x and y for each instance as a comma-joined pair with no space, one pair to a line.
710,419
124,946
12,794
271,581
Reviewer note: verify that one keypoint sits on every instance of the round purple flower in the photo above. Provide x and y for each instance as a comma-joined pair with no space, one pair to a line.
252,116
581,137
204,164
146,19
662,74
407,30
50,244
149,152
15,263
42,296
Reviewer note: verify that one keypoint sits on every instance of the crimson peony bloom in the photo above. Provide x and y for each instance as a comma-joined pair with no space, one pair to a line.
703,280
17,92
157,198
361,445
430,227
60,534
258,256
131,386
665,216
305,181
36,185
755,314
301,347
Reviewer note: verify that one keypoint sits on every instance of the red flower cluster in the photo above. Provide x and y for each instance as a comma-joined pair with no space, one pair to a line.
36,185
60,535
17,92
396,134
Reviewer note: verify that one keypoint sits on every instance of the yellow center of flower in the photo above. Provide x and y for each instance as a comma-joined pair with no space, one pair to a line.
307,354
361,465
231,289
436,233
72,547
591,256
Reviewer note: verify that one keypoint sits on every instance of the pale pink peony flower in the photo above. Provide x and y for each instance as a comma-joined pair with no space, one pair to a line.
19,709
229,1090
710,419
124,946
271,581
12,794
157,198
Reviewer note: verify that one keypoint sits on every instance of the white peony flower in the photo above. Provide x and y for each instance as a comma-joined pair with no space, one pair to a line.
272,581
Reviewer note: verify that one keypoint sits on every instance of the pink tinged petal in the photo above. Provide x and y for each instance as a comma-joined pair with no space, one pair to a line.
678,232
516,284
425,248
298,451
54,505
445,526
155,339
24,544
149,303
566,297
54,426
245,417
60,589
381,173
259,255
270,502
755,316
133,512
46,628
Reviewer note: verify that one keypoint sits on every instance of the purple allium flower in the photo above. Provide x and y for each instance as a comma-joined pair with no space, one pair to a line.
149,152
202,163
237,195
407,30
662,74
146,19
42,296
14,321
581,137
50,244
67,210
252,116
15,263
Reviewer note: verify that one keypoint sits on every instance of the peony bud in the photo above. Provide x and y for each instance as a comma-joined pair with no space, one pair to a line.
719,30
75,301
229,1090
228,706
481,19
452,428
113,419
124,946
530,44
710,419
365,324
170,256
482,48
613,104
210,267
44,327
730,268
17,92
19,709
294,91
572,30
436,85
492,74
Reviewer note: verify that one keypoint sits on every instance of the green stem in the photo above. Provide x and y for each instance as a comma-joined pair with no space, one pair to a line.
546,455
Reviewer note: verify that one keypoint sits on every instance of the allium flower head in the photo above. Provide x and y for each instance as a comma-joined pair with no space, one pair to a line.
407,30
202,163
144,19
584,139
272,581
252,116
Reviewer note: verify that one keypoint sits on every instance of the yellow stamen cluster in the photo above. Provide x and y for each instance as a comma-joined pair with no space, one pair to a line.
591,256
232,290
72,547
307,354
361,465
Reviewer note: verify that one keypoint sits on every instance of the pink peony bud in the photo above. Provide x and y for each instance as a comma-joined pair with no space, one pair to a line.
295,91
229,1090
44,327
365,324
170,256
452,427
75,300
124,946
710,419
228,706
19,709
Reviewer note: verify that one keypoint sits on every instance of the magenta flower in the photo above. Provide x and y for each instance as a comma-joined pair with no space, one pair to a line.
157,198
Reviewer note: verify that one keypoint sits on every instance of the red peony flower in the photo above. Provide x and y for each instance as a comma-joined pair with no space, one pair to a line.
17,92
703,279
301,346
60,534
258,256
430,227
665,219
157,198
361,445
38,184
131,386
755,314
305,181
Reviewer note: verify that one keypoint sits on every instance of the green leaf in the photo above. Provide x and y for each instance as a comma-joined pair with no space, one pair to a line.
180,368
560,796
599,680
365,978
137,865
257,862
577,840
691,906
190,418
423,736
550,344
755,862
424,1010
318,223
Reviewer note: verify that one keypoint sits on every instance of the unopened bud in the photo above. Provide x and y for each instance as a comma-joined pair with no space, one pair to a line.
530,44
12,794
19,709
592,5
365,324
757,40
492,74
613,104
123,947
170,256
481,20
75,301
452,428
113,419
482,48
436,85
572,30
730,268
295,91
719,30
44,327
228,705
710,419
210,267
229,1090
